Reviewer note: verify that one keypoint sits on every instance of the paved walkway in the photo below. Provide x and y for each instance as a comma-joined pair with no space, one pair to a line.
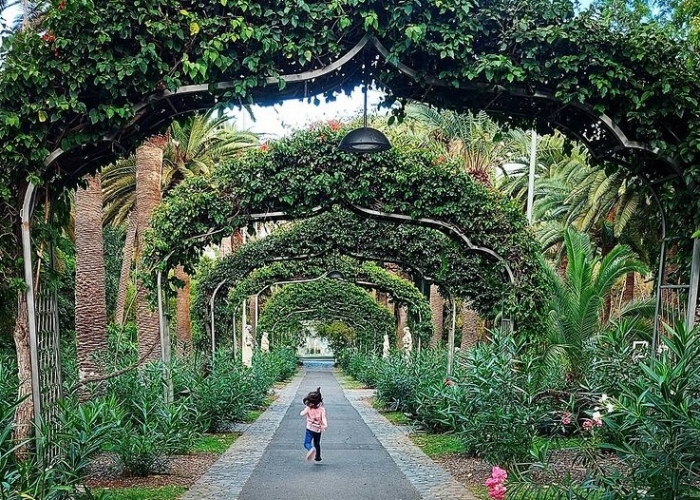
364,456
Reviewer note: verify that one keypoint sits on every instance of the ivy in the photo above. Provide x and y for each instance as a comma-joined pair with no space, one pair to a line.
239,287
287,312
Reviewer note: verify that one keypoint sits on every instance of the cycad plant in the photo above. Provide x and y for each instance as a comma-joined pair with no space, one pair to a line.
578,301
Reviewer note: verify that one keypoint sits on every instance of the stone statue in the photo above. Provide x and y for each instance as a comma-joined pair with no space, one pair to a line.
248,343
265,343
407,342
385,349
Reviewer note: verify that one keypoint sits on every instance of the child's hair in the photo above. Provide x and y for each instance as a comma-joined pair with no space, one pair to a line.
314,399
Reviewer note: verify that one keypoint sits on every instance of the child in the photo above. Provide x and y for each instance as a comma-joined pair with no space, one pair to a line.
316,423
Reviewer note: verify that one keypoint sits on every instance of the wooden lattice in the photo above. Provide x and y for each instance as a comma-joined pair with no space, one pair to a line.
49,371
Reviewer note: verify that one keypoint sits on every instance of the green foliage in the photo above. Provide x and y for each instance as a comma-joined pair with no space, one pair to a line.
435,445
578,300
163,493
324,301
305,172
340,336
402,291
657,425
362,366
214,443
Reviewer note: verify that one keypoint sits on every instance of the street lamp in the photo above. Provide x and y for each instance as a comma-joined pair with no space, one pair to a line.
364,139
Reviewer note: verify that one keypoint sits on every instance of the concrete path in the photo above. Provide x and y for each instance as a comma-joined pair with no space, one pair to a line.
364,456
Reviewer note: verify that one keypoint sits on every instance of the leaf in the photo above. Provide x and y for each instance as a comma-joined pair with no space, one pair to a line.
194,28
42,116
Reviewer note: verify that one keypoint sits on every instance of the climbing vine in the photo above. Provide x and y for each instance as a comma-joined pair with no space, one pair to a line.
287,312
368,274
75,76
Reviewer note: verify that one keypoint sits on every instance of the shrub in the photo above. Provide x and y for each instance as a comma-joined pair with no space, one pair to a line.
657,422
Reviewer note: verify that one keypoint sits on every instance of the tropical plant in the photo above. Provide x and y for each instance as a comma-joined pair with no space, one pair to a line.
657,423
576,314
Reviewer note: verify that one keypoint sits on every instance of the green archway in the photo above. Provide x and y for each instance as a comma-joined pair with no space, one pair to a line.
368,275
305,174
91,79
323,302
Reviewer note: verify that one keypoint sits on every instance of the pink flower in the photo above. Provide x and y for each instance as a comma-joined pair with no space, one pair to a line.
495,483
588,424
498,473
566,418
498,492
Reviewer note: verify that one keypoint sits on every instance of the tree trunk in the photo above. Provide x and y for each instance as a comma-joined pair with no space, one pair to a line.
628,293
125,274
470,326
184,324
437,307
90,302
24,415
149,162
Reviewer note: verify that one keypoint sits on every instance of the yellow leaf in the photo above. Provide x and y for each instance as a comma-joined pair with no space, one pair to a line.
184,12
42,116
194,28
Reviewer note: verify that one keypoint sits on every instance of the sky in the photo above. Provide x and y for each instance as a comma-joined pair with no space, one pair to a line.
282,119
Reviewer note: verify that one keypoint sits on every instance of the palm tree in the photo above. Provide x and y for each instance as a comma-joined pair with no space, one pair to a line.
578,300
480,145
90,303
192,148
475,139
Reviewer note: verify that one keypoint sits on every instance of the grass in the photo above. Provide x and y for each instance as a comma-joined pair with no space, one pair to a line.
215,443
347,382
162,493
396,417
435,445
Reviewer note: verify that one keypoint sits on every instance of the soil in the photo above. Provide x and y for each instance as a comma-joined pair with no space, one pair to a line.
184,470
179,470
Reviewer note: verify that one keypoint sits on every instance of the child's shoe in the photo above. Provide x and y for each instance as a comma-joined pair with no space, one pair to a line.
317,459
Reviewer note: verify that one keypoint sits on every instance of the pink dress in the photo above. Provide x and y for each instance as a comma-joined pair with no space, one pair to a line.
315,418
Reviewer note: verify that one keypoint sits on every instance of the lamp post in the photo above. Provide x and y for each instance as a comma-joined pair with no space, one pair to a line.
364,139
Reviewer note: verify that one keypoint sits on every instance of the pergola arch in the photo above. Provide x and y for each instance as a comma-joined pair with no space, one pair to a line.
326,300
425,251
367,274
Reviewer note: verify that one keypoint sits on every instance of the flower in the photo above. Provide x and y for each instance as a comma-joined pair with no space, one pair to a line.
609,407
449,381
566,418
597,418
497,490
264,147
587,424
604,398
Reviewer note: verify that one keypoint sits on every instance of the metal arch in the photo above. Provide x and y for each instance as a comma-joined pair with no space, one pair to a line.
436,224
365,41
603,118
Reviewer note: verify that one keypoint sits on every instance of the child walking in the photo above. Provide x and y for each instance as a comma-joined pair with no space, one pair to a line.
316,423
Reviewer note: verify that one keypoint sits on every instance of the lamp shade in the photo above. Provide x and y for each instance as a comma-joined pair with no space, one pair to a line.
335,275
364,140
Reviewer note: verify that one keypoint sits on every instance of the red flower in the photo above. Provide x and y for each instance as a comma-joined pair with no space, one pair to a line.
48,37
335,125
61,5
264,147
